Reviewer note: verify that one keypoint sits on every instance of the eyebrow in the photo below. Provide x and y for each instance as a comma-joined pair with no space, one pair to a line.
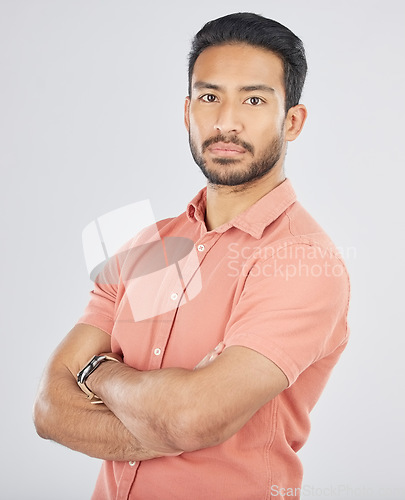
245,88
251,88
206,85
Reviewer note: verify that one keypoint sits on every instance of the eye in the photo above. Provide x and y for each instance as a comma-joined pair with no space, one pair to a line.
254,101
208,98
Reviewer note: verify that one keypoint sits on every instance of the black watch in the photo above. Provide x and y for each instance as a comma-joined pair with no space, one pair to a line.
92,365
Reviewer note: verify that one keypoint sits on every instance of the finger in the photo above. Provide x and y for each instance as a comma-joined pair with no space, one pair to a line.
203,362
220,347
211,356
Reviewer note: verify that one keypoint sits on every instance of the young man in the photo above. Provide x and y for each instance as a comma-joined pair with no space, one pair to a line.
262,290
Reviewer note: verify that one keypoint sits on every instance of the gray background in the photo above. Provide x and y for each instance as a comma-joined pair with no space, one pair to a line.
91,118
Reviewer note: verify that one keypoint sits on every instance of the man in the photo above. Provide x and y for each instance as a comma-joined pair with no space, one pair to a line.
207,380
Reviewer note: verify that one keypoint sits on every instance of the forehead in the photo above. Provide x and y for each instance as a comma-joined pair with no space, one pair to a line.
239,65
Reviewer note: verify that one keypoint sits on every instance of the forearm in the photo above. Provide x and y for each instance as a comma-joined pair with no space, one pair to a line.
173,409
63,414
159,407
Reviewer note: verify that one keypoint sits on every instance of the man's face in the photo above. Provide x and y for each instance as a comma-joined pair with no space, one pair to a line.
235,114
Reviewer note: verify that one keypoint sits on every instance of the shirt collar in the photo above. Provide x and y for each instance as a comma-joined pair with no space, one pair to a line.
254,219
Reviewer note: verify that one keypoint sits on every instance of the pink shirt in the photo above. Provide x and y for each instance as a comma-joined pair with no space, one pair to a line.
270,280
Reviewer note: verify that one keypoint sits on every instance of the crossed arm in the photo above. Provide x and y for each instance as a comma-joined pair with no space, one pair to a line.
152,413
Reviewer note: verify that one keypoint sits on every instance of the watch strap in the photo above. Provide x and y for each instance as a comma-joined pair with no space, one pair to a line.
88,369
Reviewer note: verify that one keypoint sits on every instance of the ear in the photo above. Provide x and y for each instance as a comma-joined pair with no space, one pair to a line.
187,113
294,122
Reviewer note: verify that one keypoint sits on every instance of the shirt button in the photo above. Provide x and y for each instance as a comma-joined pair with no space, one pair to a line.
173,296
132,463
201,248
157,351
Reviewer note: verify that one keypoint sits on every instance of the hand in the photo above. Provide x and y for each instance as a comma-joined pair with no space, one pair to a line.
211,356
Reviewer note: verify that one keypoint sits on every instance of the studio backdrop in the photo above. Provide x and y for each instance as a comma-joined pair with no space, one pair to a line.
91,120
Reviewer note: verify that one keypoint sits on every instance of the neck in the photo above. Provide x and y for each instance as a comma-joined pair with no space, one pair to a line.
226,202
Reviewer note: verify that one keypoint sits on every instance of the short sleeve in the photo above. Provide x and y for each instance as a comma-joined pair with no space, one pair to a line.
293,308
138,256
100,311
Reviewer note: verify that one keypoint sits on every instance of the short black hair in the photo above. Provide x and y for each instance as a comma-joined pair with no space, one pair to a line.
258,31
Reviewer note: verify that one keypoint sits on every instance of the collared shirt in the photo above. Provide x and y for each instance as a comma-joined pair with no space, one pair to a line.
270,280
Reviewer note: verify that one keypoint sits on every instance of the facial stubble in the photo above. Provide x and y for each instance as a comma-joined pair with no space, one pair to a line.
229,176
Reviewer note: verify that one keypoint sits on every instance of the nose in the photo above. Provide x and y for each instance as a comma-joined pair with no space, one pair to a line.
228,119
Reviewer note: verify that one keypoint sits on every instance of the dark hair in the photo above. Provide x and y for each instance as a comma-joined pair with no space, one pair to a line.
255,30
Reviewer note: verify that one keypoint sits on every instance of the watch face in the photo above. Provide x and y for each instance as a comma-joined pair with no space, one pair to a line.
85,372
89,368
80,374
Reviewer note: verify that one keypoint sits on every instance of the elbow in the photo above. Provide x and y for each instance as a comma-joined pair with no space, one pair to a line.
40,416
38,420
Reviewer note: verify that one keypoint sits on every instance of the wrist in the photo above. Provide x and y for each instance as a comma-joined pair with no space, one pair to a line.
89,369
95,380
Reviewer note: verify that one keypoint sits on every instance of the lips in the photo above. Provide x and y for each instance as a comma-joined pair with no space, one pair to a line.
226,148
